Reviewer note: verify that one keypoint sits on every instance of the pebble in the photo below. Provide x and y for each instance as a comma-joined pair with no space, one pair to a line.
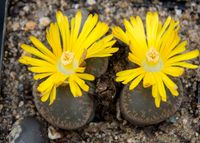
91,2
30,25
44,21
53,133
185,121
178,12
198,93
1,107
26,8
27,130
15,26
172,119
21,103
130,140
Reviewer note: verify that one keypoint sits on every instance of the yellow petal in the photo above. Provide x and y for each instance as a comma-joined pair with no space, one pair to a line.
155,91
45,96
53,38
183,57
42,69
35,62
169,84
148,26
80,69
81,83
86,76
100,30
161,88
37,53
75,30
134,59
148,80
179,49
102,48
136,81
160,33
157,101
88,26
75,90
63,25
48,83
41,47
128,75
173,71
167,50
42,75
46,93
185,65
120,34
52,95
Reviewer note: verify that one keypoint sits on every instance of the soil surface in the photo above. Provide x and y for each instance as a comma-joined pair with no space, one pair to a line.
31,17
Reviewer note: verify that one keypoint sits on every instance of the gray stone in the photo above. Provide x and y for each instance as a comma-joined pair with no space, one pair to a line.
27,130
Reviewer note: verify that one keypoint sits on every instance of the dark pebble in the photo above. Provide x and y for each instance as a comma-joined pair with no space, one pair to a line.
28,130
198,92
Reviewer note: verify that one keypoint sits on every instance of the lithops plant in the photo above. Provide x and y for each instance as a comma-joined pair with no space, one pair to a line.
61,68
159,54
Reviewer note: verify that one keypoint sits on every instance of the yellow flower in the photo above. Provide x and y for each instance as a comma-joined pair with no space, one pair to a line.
157,51
70,46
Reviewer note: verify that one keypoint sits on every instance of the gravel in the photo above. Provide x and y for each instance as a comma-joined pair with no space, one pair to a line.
16,99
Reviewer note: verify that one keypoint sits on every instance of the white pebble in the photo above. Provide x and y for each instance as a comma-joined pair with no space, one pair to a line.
44,21
53,134
91,2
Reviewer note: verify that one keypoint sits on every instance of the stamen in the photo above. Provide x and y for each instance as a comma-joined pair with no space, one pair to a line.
67,58
152,56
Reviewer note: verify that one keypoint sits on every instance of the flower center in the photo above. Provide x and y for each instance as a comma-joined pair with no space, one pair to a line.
67,58
152,56
153,62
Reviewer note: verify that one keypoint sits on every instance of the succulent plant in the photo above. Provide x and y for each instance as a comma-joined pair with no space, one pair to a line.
158,55
79,51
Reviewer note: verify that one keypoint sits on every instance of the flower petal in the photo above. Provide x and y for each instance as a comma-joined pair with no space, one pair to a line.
41,76
52,95
148,80
37,53
86,76
173,71
185,65
169,84
120,34
41,47
53,38
161,88
183,57
136,81
157,101
63,25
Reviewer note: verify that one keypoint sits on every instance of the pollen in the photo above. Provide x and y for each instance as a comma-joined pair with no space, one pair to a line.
67,58
152,56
